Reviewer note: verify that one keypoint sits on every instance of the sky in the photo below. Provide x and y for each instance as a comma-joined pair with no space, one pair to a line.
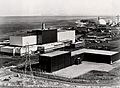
59,7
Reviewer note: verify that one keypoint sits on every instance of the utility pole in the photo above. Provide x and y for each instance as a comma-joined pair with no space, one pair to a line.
118,17
28,66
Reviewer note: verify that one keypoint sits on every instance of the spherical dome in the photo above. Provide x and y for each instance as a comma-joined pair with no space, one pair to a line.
102,22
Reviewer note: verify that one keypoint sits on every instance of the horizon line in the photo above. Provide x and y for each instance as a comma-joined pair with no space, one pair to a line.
51,15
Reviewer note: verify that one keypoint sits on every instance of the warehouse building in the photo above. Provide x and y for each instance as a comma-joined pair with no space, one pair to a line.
54,61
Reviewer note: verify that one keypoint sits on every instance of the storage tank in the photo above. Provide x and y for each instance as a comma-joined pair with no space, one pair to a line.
102,22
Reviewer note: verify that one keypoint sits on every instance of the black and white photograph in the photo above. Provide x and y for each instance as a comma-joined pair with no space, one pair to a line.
59,43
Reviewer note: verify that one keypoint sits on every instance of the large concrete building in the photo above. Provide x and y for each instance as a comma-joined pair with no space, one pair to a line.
45,36
54,35
46,40
23,40
66,35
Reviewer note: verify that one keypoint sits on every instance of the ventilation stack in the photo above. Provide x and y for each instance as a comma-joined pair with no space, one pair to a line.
43,26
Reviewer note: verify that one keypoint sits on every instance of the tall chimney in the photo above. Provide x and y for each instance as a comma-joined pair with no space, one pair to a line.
98,18
43,26
117,18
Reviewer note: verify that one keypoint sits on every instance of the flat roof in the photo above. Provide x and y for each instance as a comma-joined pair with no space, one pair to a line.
24,35
8,47
93,51
55,53
43,29
77,52
64,30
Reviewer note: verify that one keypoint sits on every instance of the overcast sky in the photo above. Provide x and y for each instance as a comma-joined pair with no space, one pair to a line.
59,7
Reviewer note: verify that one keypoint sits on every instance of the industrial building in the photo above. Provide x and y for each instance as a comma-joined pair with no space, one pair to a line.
44,48
45,36
23,40
12,50
54,61
101,56
66,35
54,35
39,40
49,43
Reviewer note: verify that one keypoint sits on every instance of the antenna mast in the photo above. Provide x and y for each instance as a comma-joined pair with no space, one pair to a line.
28,63
117,19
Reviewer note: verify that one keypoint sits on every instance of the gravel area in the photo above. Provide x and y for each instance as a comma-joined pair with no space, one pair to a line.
76,70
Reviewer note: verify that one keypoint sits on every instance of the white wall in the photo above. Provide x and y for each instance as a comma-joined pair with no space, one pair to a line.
29,40
7,49
23,40
66,35
18,50
16,40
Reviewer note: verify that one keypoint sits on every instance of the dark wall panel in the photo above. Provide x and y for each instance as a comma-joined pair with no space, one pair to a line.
97,58
55,63
60,61
49,36
115,57
45,63
45,36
